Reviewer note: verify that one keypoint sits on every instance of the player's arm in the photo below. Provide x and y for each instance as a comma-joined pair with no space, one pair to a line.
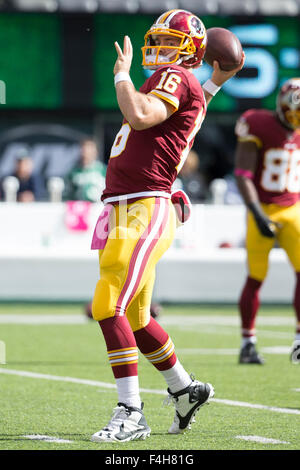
218,78
140,110
245,164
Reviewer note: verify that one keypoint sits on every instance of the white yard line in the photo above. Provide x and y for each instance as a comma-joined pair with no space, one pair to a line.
275,334
35,375
40,319
231,352
206,323
40,437
257,406
59,378
223,320
95,383
169,320
208,351
261,439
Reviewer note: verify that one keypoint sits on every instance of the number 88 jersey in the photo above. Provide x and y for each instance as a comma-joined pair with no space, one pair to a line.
277,175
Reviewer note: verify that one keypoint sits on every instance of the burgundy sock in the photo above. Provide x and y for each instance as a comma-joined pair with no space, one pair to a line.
121,346
249,304
156,345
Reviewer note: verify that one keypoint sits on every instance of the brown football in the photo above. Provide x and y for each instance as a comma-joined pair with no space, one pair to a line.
223,46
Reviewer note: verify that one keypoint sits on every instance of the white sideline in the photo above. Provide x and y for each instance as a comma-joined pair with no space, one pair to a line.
95,383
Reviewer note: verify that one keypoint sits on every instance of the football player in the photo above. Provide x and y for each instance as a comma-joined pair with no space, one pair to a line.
267,171
138,221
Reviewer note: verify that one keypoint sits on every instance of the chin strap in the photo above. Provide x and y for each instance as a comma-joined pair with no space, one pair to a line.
183,59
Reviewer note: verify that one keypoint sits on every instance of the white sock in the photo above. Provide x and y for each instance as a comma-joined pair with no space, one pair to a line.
250,339
177,378
128,391
297,337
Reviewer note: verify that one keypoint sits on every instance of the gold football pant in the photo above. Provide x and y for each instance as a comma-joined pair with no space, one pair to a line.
288,237
139,234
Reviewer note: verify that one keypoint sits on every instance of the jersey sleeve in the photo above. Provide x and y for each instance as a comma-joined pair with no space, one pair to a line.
248,128
169,85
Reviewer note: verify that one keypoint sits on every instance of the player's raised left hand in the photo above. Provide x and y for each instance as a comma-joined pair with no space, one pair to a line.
123,62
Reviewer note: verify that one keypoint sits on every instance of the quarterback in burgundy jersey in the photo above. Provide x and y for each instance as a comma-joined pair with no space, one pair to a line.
138,222
142,162
268,177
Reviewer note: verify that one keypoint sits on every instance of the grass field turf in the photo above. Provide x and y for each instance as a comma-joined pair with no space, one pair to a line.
207,341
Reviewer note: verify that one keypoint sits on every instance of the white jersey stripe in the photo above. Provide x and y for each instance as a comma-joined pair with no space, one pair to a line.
141,194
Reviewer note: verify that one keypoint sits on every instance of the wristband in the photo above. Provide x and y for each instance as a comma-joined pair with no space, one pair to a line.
122,77
211,87
246,173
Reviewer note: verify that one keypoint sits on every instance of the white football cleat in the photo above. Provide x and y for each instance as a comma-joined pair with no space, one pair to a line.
187,402
127,424
295,352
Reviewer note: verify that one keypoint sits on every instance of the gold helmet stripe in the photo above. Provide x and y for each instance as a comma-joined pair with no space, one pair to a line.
168,15
163,17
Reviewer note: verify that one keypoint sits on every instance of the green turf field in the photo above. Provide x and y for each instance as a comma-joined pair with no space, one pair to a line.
56,378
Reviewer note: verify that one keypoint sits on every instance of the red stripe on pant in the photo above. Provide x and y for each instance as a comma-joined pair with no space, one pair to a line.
138,270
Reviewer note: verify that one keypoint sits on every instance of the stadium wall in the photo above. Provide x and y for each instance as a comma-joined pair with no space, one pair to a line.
45,255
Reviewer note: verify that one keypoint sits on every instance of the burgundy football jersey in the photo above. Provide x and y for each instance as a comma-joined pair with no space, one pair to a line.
277,175
149,160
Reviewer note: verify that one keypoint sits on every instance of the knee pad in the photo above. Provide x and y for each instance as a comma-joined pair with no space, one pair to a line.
103,301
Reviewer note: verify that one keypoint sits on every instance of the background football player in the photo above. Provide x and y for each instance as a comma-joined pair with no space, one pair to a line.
268,176
159,127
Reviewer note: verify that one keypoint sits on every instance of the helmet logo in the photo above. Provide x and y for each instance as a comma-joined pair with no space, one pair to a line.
294,98
196,26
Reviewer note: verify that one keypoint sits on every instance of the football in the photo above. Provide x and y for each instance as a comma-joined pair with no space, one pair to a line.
223,46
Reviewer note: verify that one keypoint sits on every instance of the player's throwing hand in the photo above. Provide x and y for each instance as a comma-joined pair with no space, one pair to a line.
219,76
123,62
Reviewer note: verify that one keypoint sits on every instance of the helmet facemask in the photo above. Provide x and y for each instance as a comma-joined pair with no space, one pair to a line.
152,54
